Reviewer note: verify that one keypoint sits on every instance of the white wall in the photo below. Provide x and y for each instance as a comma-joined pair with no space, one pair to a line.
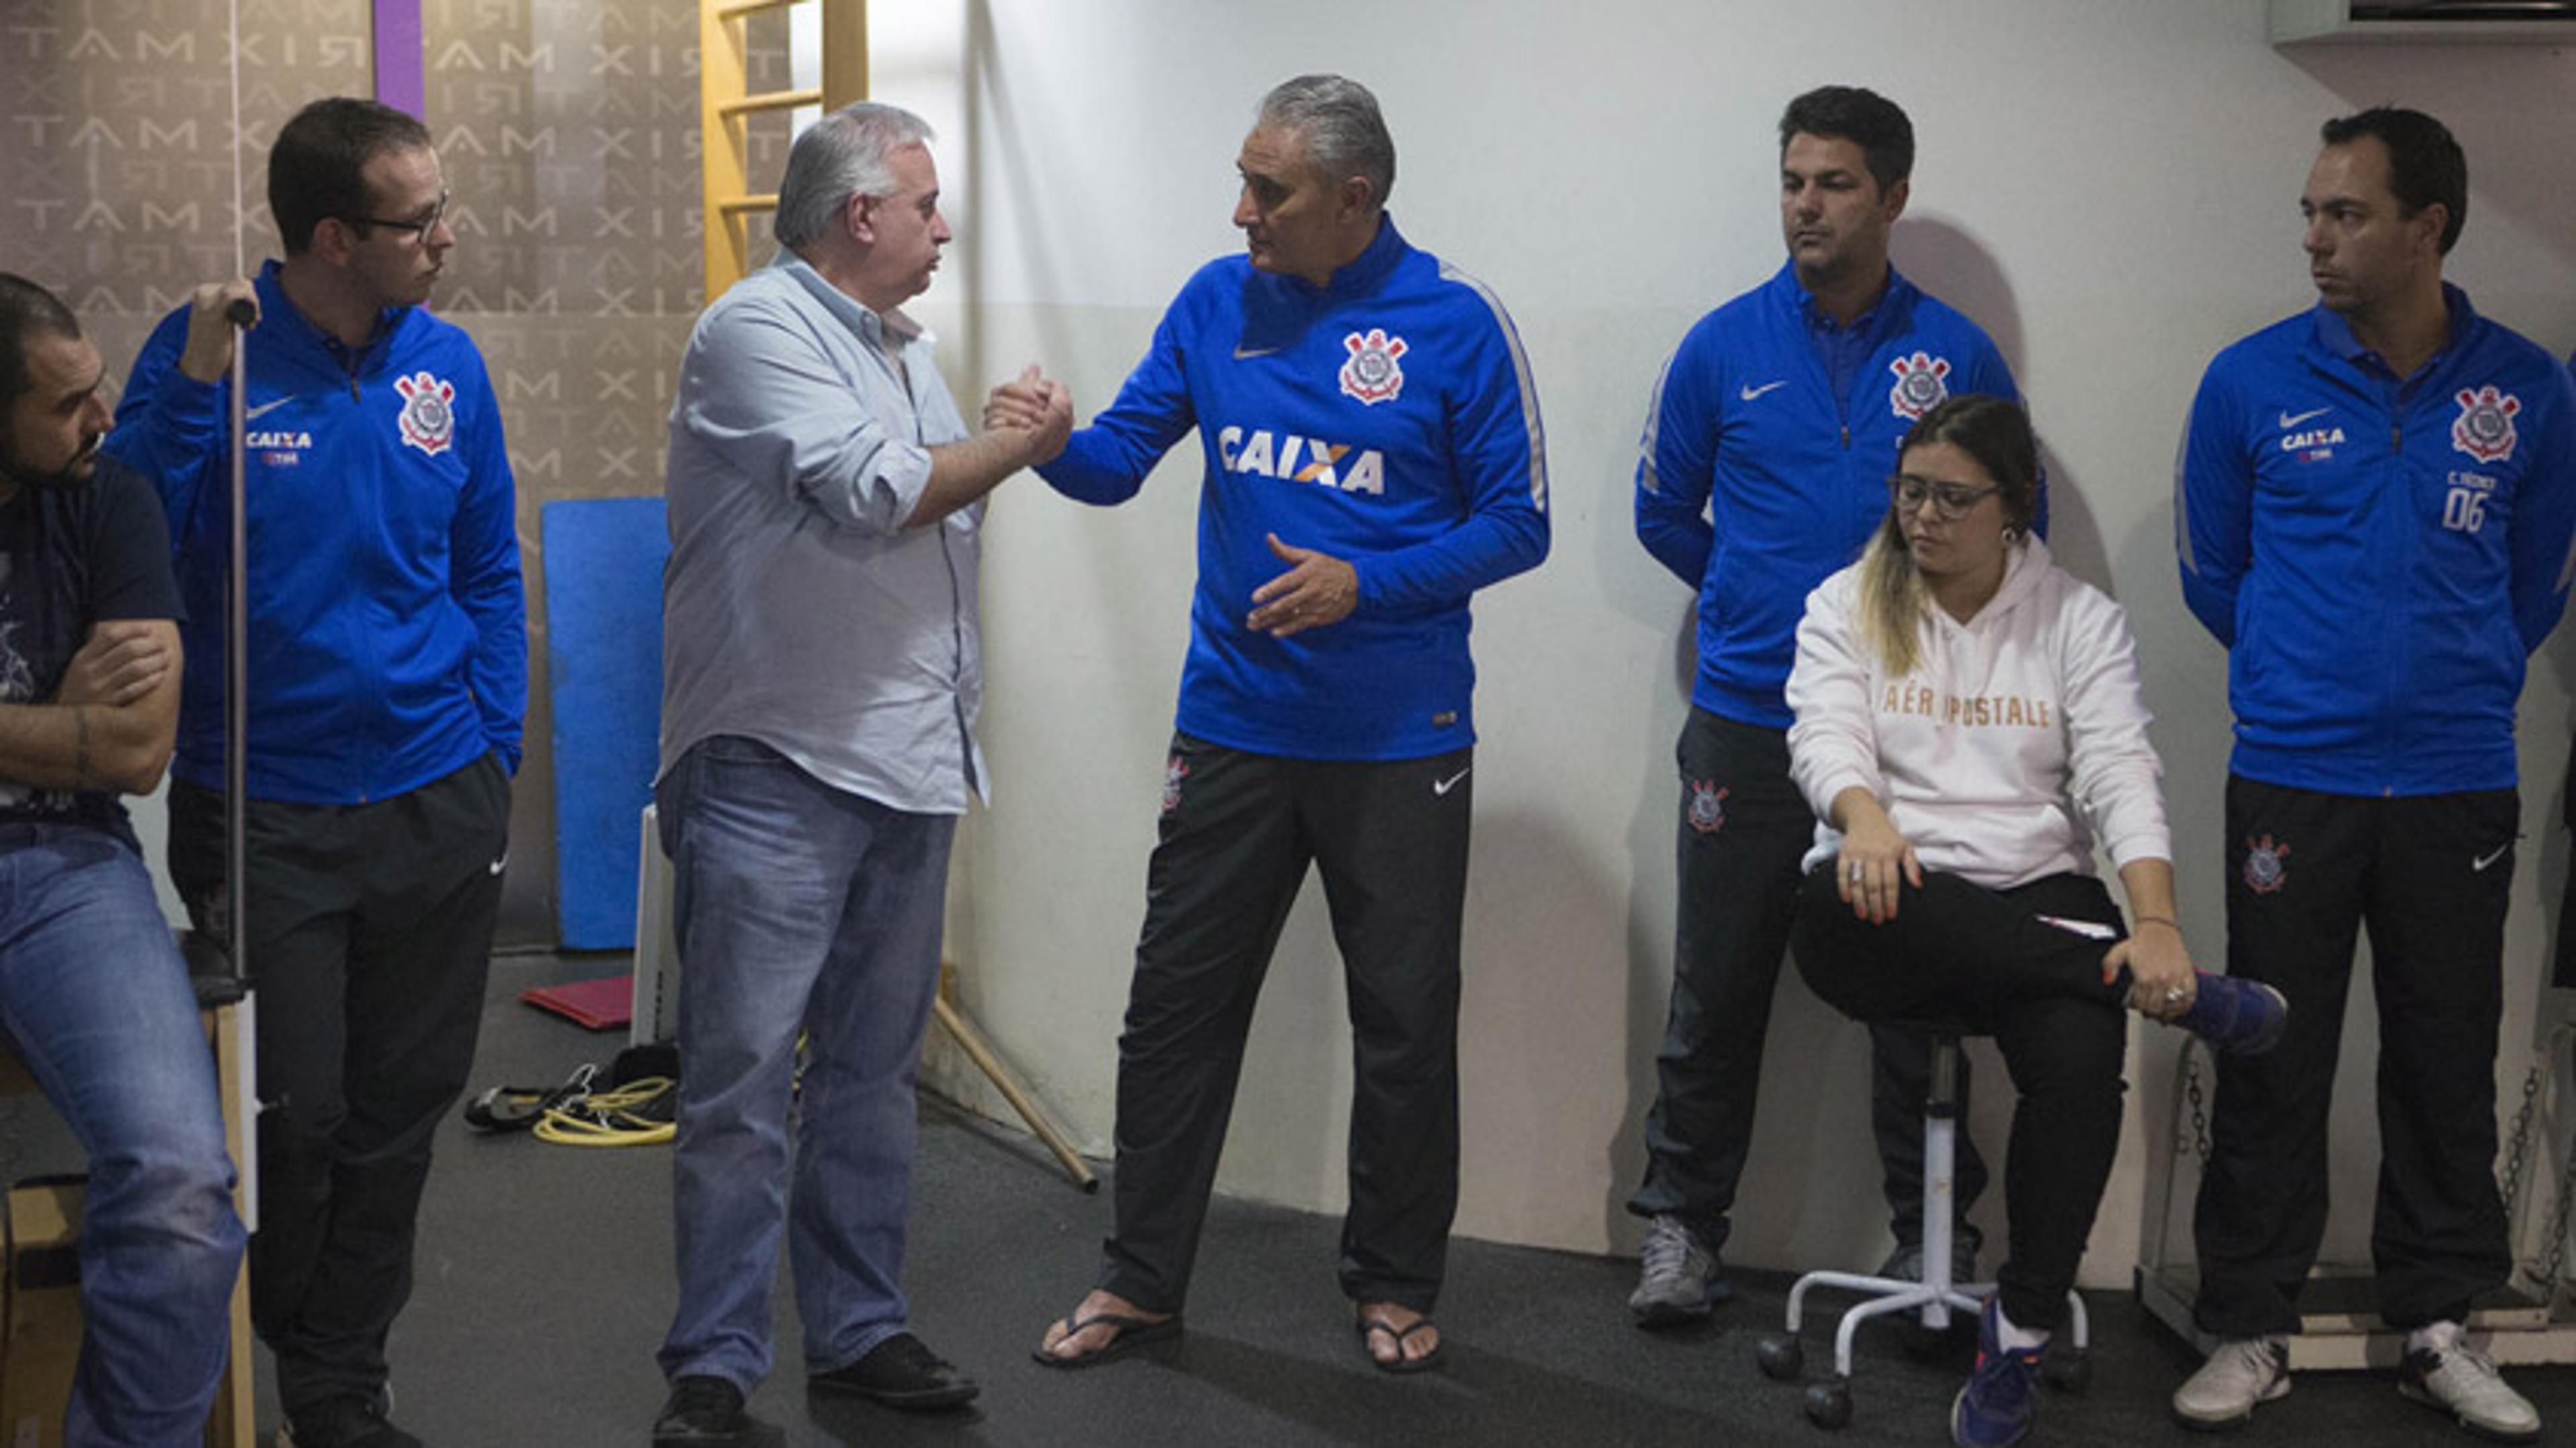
2109,186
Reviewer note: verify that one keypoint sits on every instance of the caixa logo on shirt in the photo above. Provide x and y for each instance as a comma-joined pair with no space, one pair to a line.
278,447
1292,458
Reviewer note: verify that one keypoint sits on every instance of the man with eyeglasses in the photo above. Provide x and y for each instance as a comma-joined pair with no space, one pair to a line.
2374,512
1764,467
388,672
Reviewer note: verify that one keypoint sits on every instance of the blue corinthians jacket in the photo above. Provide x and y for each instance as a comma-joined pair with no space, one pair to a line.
2380,556
1386,419
388,636
1755,481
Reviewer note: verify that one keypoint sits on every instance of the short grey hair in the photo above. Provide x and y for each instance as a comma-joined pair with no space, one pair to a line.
1339,121
847,153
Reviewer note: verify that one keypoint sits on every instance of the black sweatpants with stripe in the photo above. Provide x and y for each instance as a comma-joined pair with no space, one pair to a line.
1238,833
2429,876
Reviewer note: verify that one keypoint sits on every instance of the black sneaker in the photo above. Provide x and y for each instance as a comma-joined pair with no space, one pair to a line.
901,1373
351,1422
706,1412
1905,1264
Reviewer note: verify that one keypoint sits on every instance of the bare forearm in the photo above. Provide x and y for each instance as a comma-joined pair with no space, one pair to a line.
2149,884
81,746
962,472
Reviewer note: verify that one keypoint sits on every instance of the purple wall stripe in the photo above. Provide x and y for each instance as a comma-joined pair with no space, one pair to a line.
401,61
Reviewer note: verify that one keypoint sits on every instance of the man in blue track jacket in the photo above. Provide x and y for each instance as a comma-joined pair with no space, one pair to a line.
388,673
2374,513
1764,467
1373,457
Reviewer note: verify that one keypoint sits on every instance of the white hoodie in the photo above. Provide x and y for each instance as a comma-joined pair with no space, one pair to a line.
2018,740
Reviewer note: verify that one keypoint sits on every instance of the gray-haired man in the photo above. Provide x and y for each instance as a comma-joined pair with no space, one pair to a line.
820,682
1325,718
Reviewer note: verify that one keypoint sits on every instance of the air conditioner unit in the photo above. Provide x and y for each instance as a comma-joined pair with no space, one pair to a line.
2423,22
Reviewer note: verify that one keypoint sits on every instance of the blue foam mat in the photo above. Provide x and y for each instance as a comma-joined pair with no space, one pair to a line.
603,571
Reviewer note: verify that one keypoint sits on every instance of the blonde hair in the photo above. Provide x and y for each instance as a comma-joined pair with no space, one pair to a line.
1996,433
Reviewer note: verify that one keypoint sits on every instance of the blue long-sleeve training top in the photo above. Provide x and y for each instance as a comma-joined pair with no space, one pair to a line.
2379,555
388,632
1386,419
1756,479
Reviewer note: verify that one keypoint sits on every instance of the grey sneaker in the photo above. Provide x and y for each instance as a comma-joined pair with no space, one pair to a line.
1678,1280
2463,1382
1905,1264
2240,1373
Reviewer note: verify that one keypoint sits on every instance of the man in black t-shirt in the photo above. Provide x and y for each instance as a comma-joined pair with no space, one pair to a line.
92,991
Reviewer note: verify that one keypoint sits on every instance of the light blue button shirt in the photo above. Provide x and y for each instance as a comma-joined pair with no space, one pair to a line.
797,608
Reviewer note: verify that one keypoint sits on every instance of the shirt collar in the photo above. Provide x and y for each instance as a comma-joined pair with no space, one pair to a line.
2335,334
1364,272
877,329
273,302
1862,325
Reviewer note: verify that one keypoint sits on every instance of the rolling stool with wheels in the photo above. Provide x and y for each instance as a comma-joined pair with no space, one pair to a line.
1828,1403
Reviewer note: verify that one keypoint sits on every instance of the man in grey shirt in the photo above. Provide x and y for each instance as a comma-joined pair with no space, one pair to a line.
820,683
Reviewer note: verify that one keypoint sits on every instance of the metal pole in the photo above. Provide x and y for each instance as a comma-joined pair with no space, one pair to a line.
237,658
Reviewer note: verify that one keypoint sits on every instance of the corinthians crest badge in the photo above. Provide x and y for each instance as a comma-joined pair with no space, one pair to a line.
2484,428
2264,872
1919,384
1707,806
1371,374
428,421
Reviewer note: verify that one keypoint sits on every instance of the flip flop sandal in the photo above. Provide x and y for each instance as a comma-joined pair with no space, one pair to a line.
1399,1363
1133,1333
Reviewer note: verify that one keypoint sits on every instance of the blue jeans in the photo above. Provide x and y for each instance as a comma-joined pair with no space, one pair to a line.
794,905
93,993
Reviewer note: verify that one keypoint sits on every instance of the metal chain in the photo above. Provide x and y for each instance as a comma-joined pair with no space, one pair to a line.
2555,1257
2198,1142
2519,1150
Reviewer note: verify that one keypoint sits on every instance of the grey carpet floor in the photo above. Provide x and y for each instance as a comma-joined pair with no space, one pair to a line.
544,1283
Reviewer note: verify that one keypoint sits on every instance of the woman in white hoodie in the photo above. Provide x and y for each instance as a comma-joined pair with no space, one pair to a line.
1969,727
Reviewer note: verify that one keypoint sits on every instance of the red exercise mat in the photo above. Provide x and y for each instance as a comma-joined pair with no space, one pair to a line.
605,1004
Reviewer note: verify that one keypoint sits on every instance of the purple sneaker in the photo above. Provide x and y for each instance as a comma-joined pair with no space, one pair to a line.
2240,1017
2002,1394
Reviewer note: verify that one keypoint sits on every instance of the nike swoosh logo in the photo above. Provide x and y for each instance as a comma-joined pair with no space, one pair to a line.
264,409
497,864
1443,786
1245,354
2288,422
2480,864
1747,394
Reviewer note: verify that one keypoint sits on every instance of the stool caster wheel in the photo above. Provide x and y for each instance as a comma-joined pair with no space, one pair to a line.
2067,1369
1829,1403
1782,1359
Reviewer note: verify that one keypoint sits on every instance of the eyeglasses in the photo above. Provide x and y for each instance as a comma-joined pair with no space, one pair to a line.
1948,500
420,228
